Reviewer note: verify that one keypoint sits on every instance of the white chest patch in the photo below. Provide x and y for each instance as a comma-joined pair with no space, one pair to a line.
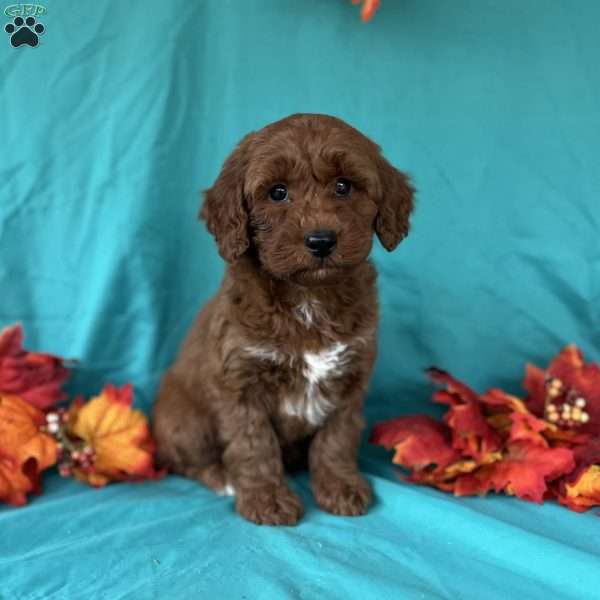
312,405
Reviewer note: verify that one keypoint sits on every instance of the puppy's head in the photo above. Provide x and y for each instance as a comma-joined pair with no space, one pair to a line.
305,195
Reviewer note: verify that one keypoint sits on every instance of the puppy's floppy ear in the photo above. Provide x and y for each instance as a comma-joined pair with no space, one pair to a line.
224,207
396,203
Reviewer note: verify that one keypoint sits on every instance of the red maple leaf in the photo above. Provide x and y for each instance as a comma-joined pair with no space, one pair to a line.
471,433
35,377
494,442
523,426
580,489
567,393
420,442
524,471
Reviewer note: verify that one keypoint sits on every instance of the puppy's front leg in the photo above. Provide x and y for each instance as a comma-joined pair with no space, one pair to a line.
252,458
337,484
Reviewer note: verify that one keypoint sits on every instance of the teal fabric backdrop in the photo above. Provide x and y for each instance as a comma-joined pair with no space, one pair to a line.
112,125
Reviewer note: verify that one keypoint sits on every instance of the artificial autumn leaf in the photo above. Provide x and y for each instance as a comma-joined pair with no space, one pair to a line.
567,393
471,433
520,423
469,465
524,471
501,445
369,8
444,480
588,454
583,492
527,428
535,385
462,393
580,489
24,450
419,441
118,436
35,377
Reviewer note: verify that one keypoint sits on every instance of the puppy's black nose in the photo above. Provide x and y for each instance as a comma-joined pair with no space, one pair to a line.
320,243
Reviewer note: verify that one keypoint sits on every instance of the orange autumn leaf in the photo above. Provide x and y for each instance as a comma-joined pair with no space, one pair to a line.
419,442
471,433
469,465
524,471
369,8
527,428
501,445
444,480
24,450
459,392
584,492
524,426
118,435
580,489
535,385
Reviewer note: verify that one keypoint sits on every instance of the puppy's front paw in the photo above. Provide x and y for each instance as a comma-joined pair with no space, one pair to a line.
348,497
270,505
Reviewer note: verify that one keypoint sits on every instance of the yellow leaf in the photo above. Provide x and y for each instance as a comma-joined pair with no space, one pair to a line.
585,492
118,435
468,465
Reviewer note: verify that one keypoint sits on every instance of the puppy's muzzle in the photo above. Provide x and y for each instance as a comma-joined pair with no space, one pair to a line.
320,243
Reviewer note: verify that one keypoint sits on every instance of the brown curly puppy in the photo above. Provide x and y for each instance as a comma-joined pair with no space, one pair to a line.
274,371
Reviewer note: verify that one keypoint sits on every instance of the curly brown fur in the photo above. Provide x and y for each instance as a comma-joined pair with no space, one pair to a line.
274,371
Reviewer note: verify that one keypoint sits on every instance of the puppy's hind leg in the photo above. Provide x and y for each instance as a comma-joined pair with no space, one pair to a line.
213,476
186,439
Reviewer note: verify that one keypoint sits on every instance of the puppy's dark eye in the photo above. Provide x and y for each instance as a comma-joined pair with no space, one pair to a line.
278,193
342,187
